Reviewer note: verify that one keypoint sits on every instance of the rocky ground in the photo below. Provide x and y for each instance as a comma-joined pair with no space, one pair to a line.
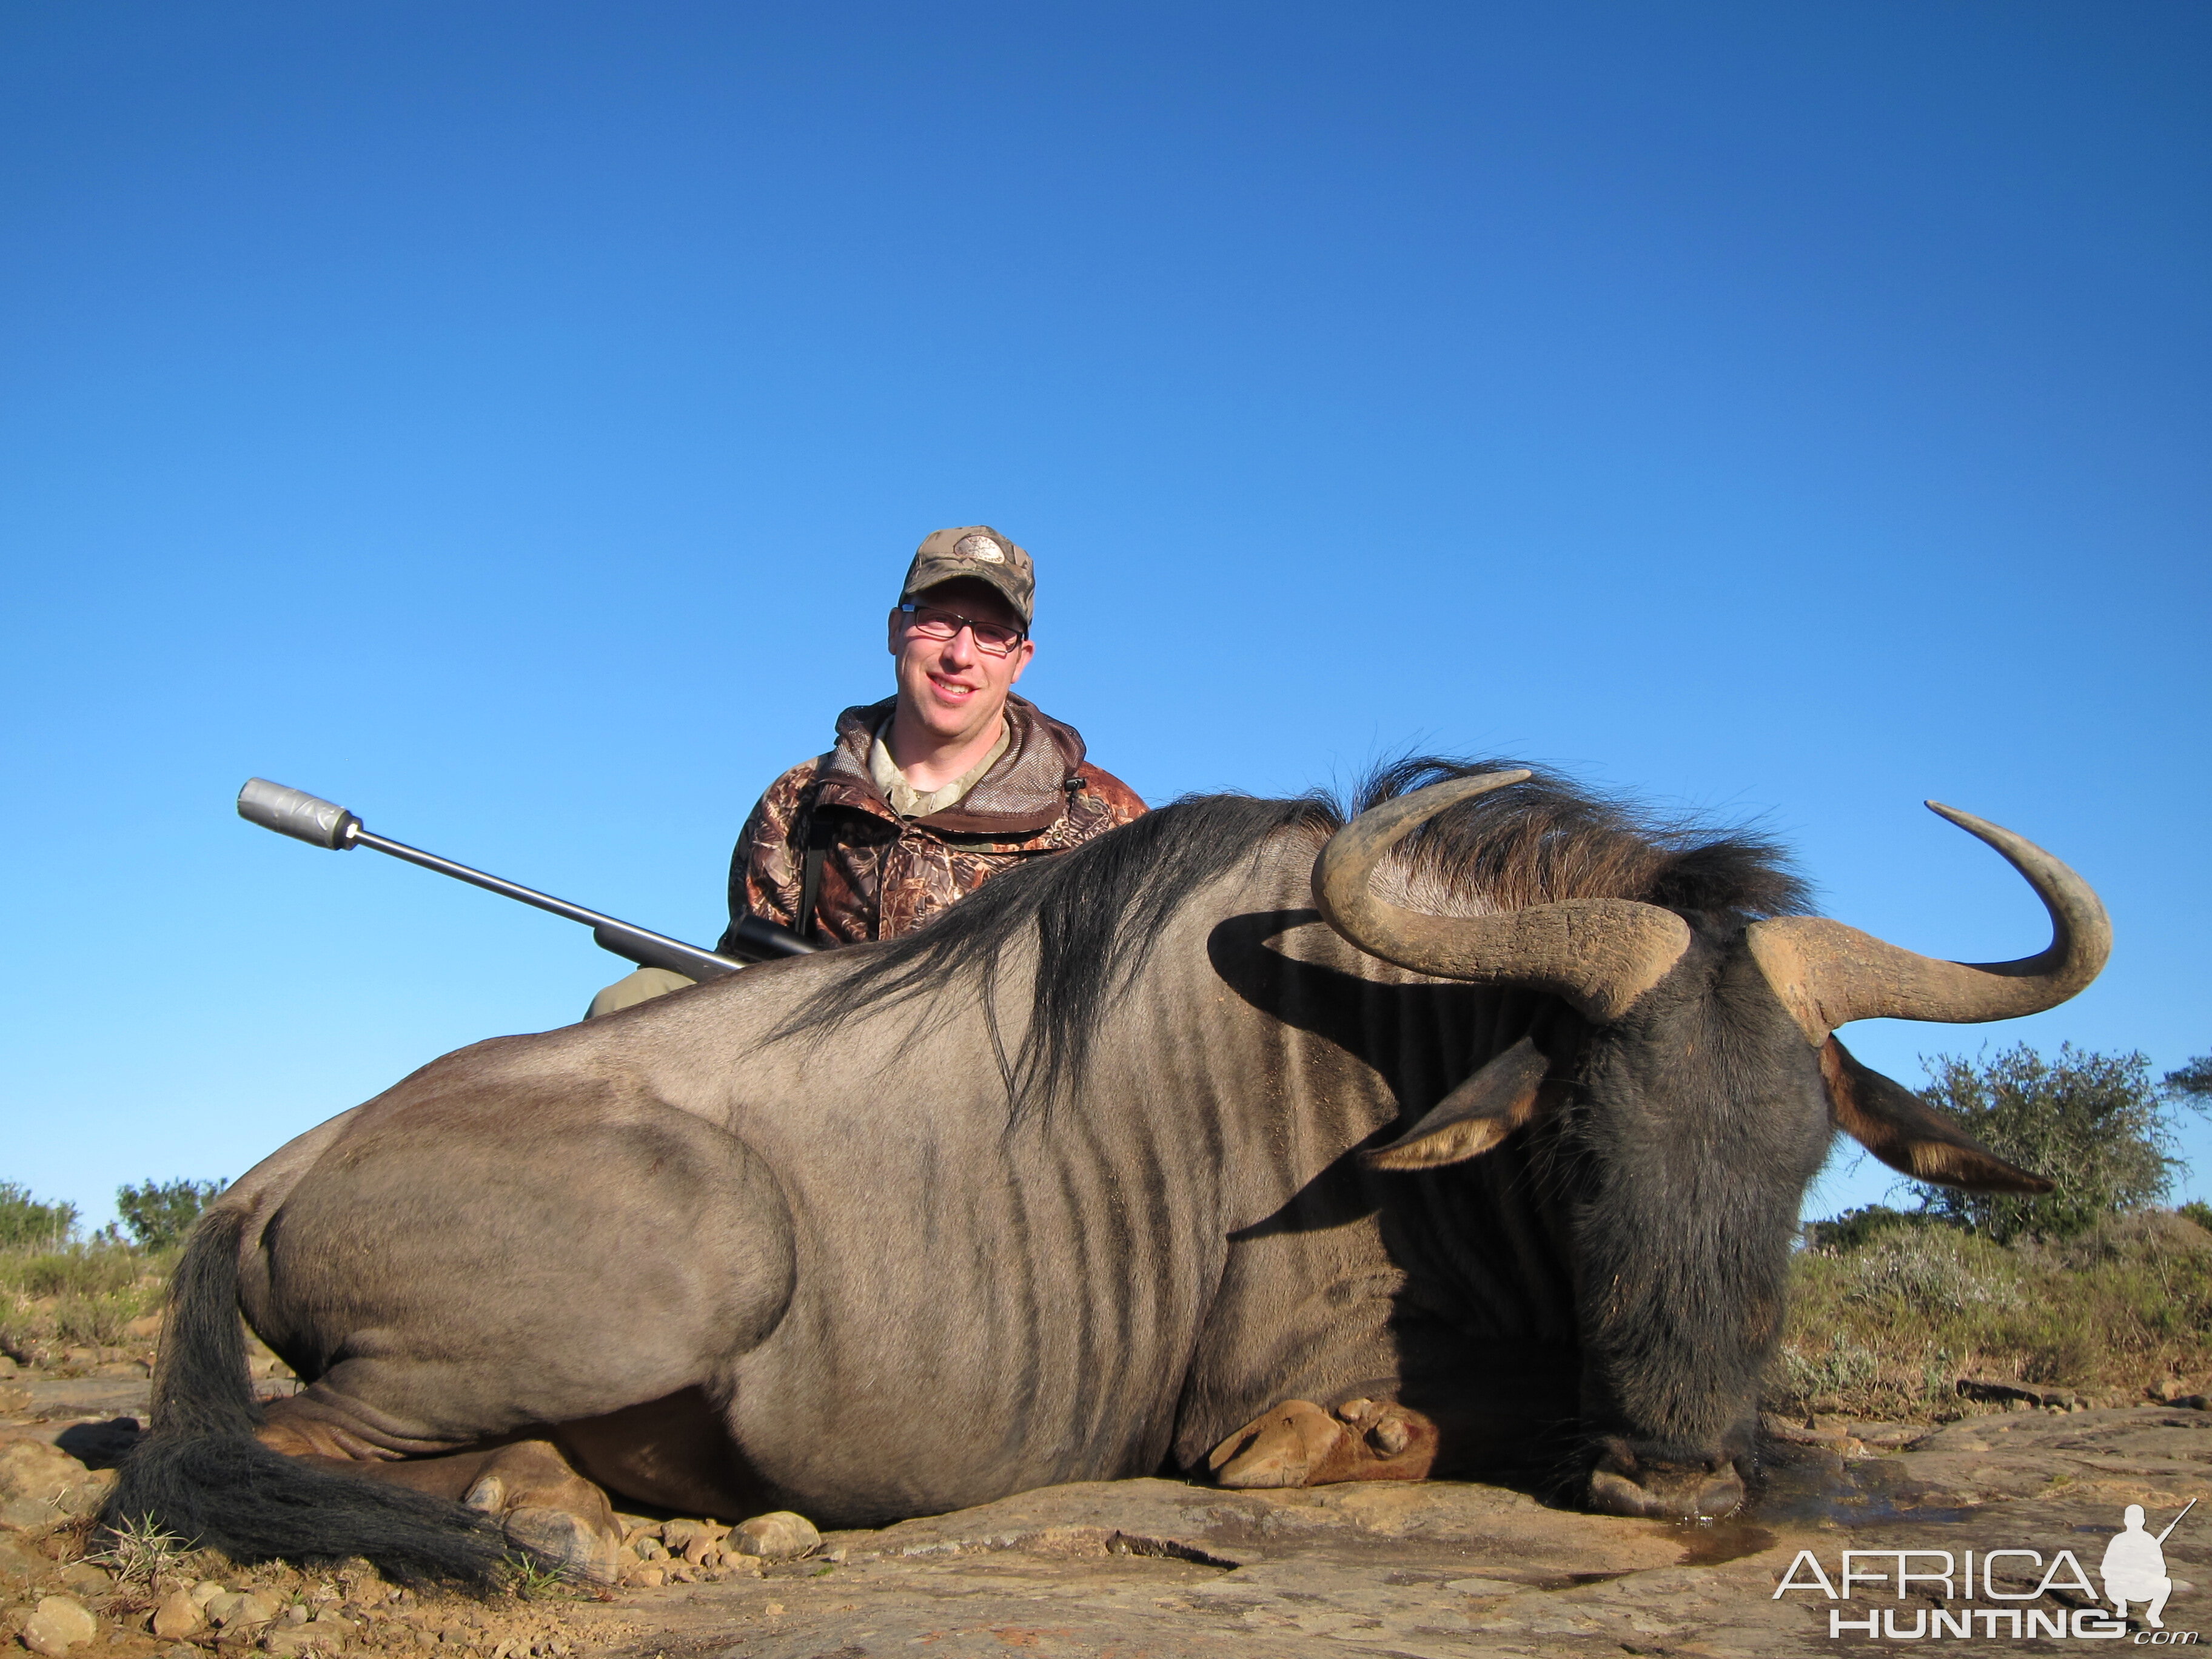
1158,1568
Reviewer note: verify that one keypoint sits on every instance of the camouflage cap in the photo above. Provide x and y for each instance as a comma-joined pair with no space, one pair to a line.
978,553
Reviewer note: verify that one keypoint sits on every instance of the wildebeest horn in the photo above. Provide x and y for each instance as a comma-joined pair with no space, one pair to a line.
1600,954
1827,974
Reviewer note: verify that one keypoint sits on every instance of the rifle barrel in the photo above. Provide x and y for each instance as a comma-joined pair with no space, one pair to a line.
323,823
621,937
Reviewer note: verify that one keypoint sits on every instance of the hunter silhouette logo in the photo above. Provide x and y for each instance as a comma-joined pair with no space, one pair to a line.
2133,1568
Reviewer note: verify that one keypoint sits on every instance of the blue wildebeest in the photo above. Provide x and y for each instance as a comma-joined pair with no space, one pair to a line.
1484,1133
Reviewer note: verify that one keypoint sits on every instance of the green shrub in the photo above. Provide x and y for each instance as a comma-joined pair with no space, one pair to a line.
99,1321
26,1224
2095,1125
1856,1227
98,1267
2193,1082
160,1212
1886,1329
1817,1375
1925,1271
84,1294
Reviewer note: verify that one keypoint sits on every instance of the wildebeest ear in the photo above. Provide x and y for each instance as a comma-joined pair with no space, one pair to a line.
1473,1117
1901,1130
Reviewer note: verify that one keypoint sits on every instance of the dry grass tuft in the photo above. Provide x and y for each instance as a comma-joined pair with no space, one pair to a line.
138,1553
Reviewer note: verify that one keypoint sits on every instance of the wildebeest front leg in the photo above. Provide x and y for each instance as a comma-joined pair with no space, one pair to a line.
1299,1443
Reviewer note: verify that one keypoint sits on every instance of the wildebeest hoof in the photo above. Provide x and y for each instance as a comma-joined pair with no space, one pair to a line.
1282,1447
489,1494
1388,1442
1300,1444
550,1510
562,1540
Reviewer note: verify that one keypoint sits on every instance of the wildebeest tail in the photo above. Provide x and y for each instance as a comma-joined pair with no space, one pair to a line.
200,1475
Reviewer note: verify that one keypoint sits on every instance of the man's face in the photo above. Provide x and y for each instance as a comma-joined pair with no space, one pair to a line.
953,687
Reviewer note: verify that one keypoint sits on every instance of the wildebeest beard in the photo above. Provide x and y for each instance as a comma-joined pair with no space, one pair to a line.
1634,1237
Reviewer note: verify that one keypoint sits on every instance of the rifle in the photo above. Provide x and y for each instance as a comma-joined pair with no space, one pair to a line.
322,823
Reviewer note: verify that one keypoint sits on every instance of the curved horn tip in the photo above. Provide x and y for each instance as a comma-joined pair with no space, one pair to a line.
1828,975
1980,829
1964,819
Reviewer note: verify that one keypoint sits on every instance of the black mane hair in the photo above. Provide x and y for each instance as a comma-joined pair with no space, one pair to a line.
1098,910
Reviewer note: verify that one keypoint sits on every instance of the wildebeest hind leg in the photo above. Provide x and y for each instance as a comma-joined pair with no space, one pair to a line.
549,1507
460,1279
542,1502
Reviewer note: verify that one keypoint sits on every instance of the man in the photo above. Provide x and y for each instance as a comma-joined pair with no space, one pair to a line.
930,793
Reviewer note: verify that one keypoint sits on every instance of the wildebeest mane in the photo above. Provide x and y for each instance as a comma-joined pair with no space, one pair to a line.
1545,840
1095,912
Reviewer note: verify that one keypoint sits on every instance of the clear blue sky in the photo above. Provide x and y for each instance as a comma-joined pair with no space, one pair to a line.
512,421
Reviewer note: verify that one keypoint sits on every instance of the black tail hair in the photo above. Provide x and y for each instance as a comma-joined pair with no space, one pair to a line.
200,1474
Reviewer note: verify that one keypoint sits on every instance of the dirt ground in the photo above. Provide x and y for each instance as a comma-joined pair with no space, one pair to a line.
1161,1569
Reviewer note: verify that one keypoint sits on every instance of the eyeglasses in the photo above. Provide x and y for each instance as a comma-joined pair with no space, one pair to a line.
994,639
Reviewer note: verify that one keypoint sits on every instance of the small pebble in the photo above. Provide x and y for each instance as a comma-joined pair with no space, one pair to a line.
779,1536
678,1534
59,1624
178,1615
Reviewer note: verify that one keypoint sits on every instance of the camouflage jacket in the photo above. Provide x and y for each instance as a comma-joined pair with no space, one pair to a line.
883,875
